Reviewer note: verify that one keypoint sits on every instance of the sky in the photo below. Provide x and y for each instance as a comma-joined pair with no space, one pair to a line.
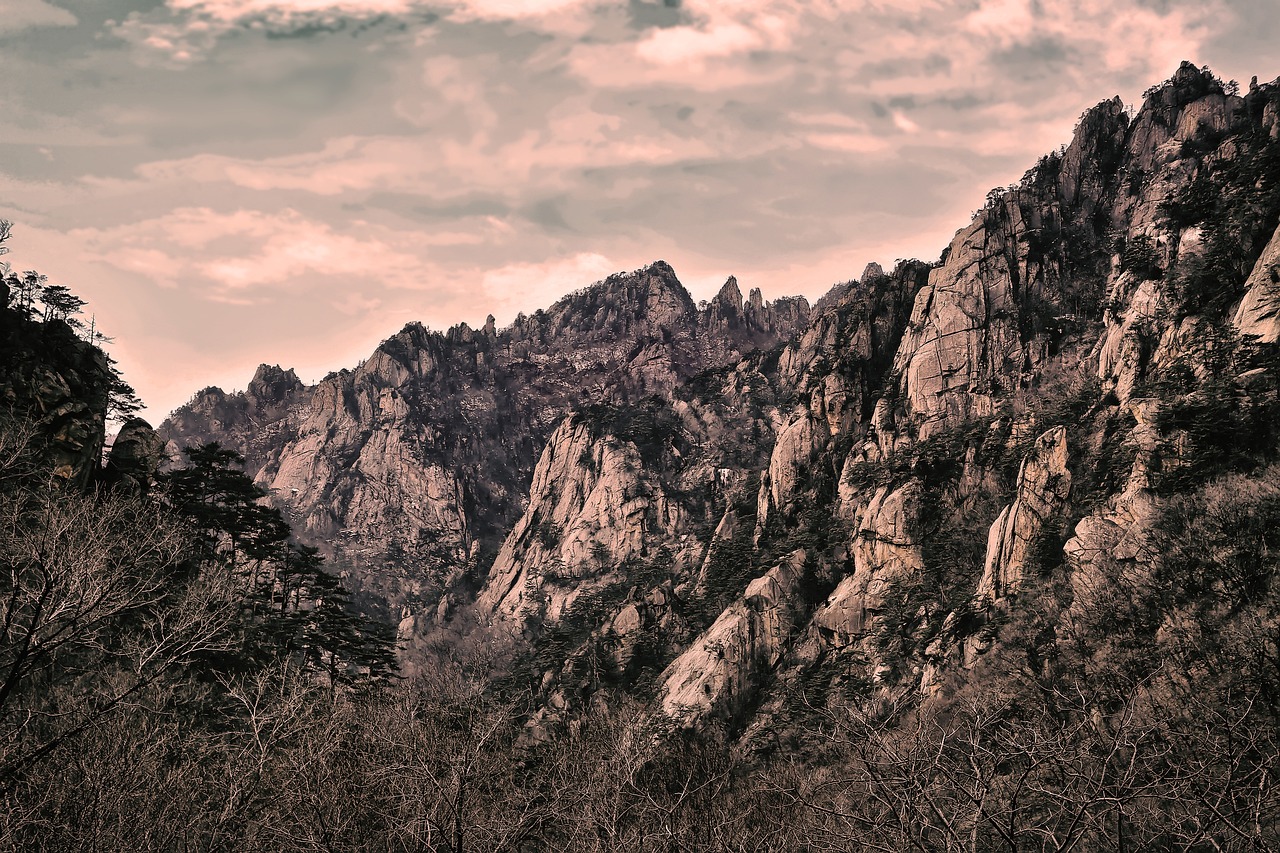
230,182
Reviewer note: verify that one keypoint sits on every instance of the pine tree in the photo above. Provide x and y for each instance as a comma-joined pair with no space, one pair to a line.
292,606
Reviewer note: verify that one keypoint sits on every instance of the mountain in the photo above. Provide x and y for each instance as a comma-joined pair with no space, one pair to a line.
887,496
970,555
413,466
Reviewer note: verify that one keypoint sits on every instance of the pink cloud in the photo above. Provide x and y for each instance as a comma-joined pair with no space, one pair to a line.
570,140
244,252
525,10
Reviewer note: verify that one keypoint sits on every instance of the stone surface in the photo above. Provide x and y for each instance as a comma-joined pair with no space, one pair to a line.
797,446
886,551
421,457
136,454
59,384
592,507
1259,311
719,672
462,447
1044,482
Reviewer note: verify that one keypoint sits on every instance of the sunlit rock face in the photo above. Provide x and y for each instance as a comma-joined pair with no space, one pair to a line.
592,507
722,668
1259,313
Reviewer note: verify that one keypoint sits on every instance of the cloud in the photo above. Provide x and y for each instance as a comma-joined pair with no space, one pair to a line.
183,32
506,286
247,255
21,15
680,45
285,12
187,31
542,158
555,11
904,124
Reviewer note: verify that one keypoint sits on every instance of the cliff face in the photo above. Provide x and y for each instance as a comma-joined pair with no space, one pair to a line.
716,506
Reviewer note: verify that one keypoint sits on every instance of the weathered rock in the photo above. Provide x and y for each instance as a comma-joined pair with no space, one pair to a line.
878,366
886,552
1090,160
405,465
1126,344
591,508
59,384
720,671
797,447
1259,311
135,455
1118,535
1043,486
962,336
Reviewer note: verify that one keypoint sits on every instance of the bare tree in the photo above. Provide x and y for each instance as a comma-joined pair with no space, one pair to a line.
94,606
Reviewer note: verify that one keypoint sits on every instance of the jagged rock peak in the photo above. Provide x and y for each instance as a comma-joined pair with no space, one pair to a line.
730,297
207,395
271,383
1187,84
657,277
872,270
756,299
403,344
1095,152
461,333
650,289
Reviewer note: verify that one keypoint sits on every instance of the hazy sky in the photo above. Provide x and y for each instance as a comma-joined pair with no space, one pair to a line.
237,181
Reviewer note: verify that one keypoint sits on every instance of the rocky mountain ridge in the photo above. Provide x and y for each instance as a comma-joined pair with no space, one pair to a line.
419,459
737,505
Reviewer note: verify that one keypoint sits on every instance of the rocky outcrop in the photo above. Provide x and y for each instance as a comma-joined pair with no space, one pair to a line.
1089,161
733,327
1125,347
893,410
723,667
592,508
797,448
1015,540
135,456
1044,482
1259,312
957,341
59,384
416,464
886,554
1115,541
